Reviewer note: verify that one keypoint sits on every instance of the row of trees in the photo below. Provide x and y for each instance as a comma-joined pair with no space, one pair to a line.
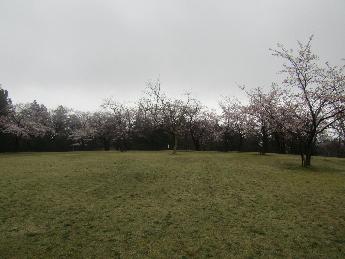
303,115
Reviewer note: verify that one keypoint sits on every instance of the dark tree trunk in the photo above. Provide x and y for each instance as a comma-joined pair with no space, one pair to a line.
240,142
17,143
303,159
280,141
106,144
196,141
123,145
264,139
282,146
226,141
307,160
175,143
307,151
83,144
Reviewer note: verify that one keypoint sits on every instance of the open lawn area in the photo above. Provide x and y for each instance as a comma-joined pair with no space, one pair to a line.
158,205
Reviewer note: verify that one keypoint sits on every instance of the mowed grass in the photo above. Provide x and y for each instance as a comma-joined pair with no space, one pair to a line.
157,205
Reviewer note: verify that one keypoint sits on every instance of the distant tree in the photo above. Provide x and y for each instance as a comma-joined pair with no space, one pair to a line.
82,130
6,108
150,105
61,123
174,112
104,124
337,133
206,129
259,120
235,120
28,121
123,121
5,103
165,112
194,112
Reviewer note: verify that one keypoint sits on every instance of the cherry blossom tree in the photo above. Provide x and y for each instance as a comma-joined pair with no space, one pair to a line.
121,121
258,119
82,130
206,129
338,129
165,112
104,124
28,121
314,97
235,119
194,118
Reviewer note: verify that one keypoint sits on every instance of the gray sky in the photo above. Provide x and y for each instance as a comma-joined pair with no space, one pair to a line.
78,52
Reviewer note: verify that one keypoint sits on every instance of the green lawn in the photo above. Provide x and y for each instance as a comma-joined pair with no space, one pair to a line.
156,205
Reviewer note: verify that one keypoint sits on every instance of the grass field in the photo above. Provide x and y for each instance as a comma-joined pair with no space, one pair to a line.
156,205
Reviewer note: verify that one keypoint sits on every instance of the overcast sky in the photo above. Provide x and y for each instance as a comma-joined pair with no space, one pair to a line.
78,52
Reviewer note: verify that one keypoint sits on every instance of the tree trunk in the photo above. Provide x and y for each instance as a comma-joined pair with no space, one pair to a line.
282,146
264,144
339,147
196,142
307,160
280,141
175,144
308,150
106,144
226,141
17,143
240,142
303,159
264,136
123,145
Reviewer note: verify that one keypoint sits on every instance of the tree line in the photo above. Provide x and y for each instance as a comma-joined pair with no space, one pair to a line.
303,115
